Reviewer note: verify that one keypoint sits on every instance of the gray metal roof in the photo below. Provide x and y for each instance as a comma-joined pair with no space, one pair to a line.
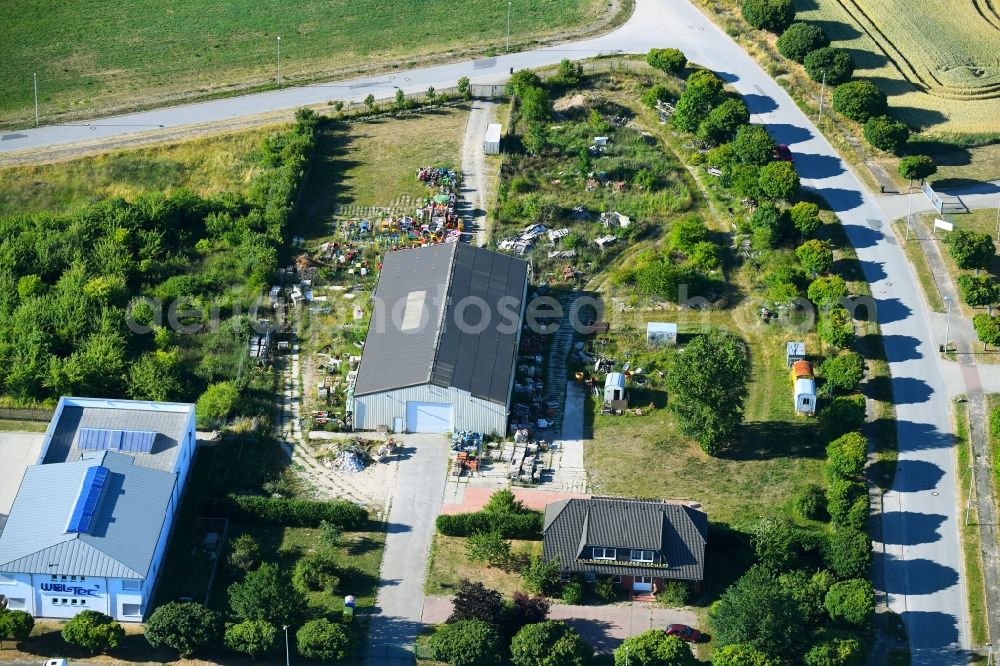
169,426
676,531
402,350
122,537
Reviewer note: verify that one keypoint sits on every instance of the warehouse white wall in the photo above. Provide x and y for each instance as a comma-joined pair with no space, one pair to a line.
470,413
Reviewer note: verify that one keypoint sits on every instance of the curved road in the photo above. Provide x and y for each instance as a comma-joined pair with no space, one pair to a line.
921,570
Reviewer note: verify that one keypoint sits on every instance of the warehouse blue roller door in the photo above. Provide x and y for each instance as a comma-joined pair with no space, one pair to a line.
428,417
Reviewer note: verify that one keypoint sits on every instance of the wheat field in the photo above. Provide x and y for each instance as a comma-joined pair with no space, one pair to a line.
937,60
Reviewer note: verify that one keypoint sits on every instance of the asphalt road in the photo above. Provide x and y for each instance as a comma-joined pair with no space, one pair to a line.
922,568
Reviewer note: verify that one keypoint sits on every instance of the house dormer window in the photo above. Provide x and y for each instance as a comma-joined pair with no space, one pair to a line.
641,556
605,554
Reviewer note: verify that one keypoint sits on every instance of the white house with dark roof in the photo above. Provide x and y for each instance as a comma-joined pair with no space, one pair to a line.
90,523
442,341
638,543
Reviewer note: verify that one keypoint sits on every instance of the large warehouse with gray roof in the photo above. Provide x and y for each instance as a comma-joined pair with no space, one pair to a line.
90,523
442,342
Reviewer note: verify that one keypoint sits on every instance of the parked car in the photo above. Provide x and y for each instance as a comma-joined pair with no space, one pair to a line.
684,632
782,152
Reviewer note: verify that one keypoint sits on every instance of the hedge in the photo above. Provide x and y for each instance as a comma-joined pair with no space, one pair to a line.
526,525
298,512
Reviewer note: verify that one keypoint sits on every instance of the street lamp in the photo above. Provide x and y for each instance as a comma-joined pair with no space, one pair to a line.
279,63
909,210
822,92
947,324
287,660
509,3
35,77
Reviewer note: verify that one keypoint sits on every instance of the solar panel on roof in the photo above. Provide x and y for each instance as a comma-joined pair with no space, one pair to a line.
86,501
101,439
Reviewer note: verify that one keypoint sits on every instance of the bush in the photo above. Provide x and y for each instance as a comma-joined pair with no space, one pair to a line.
723,121
845,371
549,644
836,327
886,134
808,591
541,577
298,512
527,525
800,39
979,290
475,601
321,639
674,593
489,547
841,496
771,15
467,643
244,553
742,654
810,503
805,217
836,64
836,652
773,543
753,145
842,415
654,94
691,110
93,631
535,104
828,291
706,83
316,572
183,626
668,60
525,610
970,249
847,455
654,648
995,422
851,602
266,595
756,610
778,180
859,100
216,403
15,625
917,167
606,589
572,592
252,637
848,553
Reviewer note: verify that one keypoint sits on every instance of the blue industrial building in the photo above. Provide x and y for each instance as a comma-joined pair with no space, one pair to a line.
90,523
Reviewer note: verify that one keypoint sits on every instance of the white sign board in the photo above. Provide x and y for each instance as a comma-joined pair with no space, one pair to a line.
941,224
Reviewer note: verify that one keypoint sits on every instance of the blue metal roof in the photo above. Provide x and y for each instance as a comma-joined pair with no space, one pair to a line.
87,499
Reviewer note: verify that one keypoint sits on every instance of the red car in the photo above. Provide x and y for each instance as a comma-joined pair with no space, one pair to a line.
684,632
782,152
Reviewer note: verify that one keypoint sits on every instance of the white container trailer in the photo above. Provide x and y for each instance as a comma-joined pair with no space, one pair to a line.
491,145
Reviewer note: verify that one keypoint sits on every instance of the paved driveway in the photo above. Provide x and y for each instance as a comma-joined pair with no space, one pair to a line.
603,627
415,502
17,452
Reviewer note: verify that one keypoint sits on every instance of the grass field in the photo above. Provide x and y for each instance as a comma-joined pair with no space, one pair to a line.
449,565
982,221
374,163
206,166
938,66
111,54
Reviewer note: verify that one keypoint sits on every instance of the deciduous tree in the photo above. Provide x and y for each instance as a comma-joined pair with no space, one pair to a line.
549,644
322,639
771,15
800,39
851,602
829,64
668,60
885,133
708,388
252,637
756,611
917,167
93,631
859,100
970,249
183,626
654,648
266,595
475,601
845,371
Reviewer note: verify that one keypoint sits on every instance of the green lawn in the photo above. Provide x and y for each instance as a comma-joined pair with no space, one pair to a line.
449,565
111,54
918,259
206,166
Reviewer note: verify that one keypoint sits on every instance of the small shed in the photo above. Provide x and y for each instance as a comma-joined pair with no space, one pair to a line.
661,333
614,387
491,144
794,351
804,390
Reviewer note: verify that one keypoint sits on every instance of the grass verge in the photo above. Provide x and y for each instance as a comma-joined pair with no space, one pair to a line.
972,544
22,426
917,258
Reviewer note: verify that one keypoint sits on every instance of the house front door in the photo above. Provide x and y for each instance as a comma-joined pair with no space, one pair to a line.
642,584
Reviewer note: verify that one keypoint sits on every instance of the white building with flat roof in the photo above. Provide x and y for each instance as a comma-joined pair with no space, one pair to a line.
91,520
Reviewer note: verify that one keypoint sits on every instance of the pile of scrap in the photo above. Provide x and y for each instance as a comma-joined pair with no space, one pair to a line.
350,459
466,440
438,177
615,220
525,465
524,241
463,461
387,449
